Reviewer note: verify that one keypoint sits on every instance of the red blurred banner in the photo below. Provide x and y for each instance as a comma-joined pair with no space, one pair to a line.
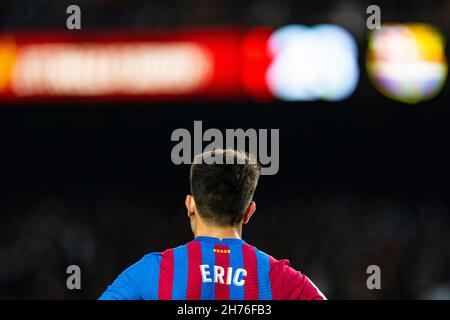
199,65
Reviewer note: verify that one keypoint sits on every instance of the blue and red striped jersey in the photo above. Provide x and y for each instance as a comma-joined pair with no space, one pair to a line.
212,269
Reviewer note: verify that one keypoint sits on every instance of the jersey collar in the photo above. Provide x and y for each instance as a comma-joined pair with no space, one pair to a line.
229,241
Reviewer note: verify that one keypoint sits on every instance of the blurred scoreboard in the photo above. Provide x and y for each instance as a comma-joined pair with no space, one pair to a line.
292,63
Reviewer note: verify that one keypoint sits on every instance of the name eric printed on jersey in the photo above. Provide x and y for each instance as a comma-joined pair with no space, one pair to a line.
219,274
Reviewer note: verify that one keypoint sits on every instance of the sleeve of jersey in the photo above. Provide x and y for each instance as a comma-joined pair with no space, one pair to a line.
132,283
289,284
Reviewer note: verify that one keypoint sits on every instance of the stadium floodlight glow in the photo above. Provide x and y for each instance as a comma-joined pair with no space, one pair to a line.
311,63
406,62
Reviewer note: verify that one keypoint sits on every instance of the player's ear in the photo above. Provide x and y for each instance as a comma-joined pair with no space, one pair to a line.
249,212
190,205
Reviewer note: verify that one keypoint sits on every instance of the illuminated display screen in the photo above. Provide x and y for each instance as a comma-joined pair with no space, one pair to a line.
406,62
313,63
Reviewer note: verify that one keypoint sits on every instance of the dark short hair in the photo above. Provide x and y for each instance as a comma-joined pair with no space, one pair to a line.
223,191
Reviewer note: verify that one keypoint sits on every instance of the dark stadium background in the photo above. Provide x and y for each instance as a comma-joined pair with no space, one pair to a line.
363,181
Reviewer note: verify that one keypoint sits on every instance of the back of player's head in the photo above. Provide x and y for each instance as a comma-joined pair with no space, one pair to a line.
223,183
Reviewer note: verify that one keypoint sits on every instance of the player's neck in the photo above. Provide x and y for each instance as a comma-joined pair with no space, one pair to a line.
218,232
